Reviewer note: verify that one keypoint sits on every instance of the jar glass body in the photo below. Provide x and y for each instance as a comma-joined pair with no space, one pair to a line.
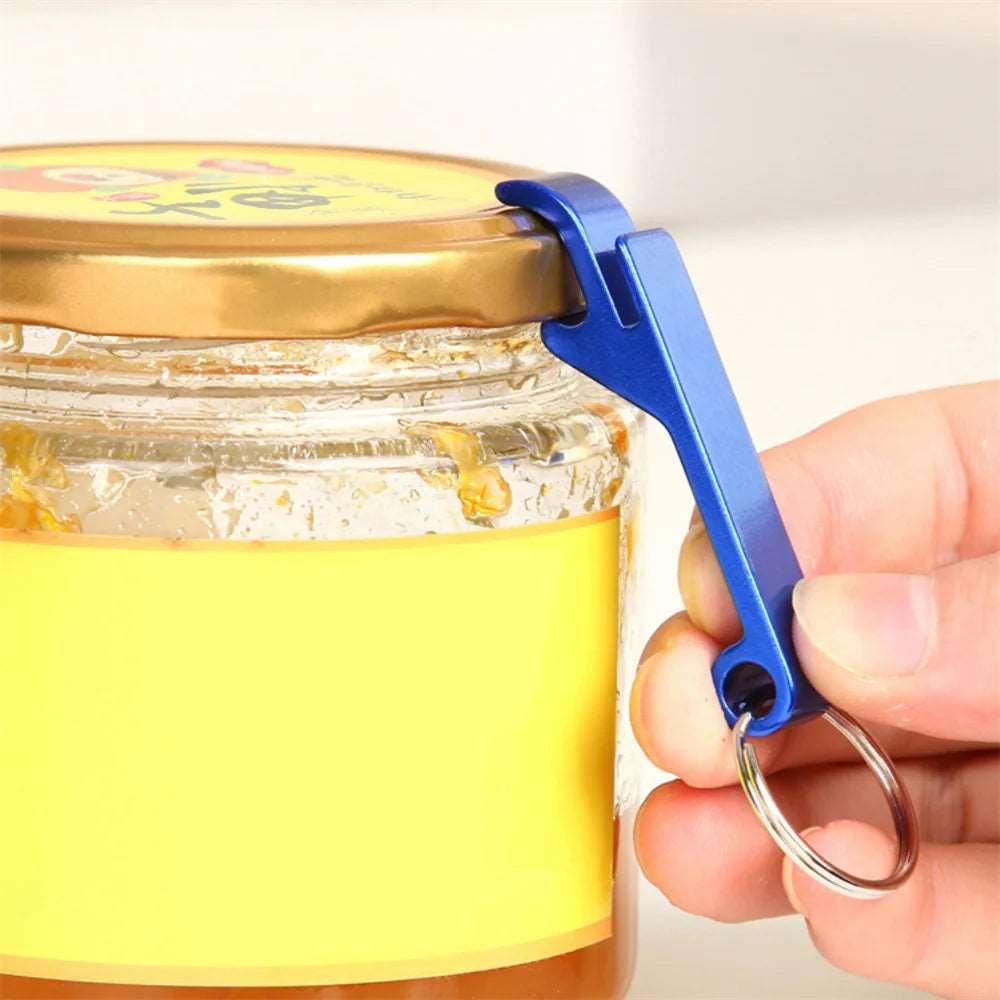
431,432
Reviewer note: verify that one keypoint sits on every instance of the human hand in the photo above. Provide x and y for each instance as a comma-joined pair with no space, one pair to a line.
894,512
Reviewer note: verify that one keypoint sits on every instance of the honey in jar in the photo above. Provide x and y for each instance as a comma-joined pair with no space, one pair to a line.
317,571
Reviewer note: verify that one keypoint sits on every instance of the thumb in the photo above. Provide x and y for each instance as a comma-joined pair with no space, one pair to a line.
914,652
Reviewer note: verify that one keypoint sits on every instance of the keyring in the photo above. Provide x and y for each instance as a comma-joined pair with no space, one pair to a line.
784,835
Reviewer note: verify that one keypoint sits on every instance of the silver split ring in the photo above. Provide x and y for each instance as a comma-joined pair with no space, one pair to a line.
784,835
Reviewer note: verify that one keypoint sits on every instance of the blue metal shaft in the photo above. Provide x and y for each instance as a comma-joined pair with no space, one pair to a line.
644,337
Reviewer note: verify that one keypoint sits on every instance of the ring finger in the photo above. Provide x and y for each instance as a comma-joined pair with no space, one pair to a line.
706,851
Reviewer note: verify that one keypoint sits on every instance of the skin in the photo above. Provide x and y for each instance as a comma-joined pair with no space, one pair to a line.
894,511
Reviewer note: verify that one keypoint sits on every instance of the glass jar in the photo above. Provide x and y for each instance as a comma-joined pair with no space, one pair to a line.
313,644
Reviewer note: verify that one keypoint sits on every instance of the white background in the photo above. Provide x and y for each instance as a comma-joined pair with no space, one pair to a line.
829,170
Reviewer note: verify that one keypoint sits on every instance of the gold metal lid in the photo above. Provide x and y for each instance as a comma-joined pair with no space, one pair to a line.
221,241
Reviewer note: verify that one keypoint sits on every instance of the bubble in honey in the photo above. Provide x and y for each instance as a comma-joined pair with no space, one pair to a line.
481,487
33,470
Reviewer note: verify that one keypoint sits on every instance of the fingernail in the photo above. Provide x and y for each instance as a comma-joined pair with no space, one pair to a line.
872,624
788,880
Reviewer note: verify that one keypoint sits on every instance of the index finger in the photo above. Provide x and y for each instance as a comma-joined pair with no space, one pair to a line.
902,485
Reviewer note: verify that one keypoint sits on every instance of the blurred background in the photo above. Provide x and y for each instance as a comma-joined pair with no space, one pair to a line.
830,171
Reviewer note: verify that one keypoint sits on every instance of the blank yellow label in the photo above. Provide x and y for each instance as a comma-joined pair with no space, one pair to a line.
290,764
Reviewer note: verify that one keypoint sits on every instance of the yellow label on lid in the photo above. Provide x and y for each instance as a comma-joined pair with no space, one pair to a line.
244,184
305,763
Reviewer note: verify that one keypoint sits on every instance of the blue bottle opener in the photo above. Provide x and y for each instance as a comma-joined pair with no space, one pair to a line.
643,336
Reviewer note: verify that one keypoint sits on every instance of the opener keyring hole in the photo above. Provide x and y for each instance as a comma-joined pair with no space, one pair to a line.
748,687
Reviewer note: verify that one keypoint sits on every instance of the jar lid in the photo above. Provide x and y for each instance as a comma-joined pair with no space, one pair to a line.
225,241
